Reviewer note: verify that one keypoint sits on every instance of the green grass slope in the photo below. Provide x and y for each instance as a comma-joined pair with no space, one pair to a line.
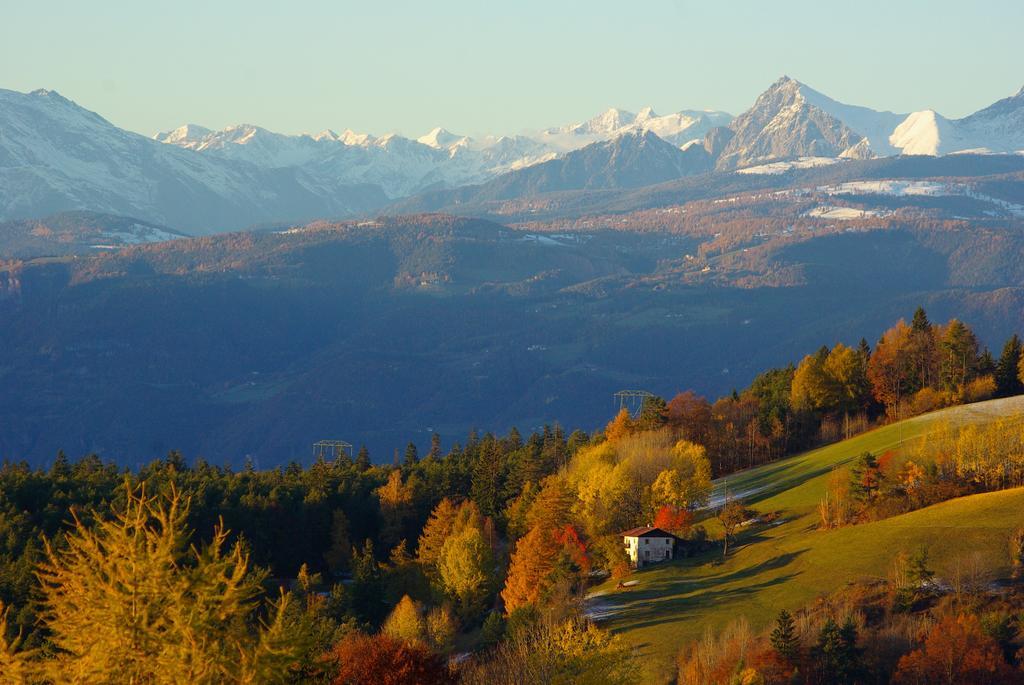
790,564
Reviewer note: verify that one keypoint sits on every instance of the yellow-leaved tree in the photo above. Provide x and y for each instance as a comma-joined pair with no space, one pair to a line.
16,665
129,600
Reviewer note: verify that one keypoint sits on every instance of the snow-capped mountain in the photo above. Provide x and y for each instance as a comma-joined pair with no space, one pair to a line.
678,128
792,120
57,156
399,165
997,128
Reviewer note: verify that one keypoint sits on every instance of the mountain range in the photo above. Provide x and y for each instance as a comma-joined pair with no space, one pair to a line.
56,156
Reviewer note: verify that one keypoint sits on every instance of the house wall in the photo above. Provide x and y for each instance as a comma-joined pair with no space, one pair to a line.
654,546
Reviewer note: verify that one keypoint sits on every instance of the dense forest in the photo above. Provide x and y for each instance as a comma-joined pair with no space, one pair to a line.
468,564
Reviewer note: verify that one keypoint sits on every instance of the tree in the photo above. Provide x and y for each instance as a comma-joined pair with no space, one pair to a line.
17,666
814,389
918,572
889,369
922,352
959,349
531,563
465,567
1007,372
784,638
956,651
339,554
367,583
673,519
653,414
1017,552
866,478
442,627
436,532
731,515
836,656
363,459
125,597
406,622
395,505
383,660
435,446
619,427
411,457
848,370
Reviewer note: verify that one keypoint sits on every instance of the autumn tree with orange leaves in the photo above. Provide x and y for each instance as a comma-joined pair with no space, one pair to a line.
956,652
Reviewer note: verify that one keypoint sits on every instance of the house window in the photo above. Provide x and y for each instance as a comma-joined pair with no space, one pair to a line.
647,542
667,541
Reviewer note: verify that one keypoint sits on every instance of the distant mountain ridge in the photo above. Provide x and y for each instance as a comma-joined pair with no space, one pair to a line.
56,156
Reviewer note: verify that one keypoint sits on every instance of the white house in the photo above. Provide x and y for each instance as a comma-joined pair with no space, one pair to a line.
649,545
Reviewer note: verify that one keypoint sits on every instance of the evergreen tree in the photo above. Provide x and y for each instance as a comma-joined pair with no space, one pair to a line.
986,364
363,459
784,638
435,447
339,554
918,570
959,356
653,414
367,584
486,488
412,456
865,478
1007,375
920,323
864,350
836,655
61,468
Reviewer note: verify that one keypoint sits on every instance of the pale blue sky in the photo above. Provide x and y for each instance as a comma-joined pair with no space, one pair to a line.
485,66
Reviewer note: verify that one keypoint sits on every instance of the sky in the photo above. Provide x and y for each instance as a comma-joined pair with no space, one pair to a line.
488,67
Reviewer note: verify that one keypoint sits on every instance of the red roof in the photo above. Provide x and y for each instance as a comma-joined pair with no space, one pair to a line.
645,531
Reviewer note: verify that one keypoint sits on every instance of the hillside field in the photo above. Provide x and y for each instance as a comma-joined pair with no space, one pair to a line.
790,564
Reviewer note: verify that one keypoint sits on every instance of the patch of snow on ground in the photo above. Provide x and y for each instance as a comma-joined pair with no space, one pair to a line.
894,188
774,168
138,234
841,213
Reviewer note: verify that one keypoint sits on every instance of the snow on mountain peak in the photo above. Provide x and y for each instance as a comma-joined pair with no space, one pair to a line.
187,136
439,138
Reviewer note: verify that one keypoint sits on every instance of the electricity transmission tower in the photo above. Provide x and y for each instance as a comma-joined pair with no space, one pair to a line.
331,449
632,401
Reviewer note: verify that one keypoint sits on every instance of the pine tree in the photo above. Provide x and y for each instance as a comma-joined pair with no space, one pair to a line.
339,554
1007,375
363,459
986,364
367,583
435,447
486,488
653,414
784,638
836,655
412,456
864,350
865,478
61,469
